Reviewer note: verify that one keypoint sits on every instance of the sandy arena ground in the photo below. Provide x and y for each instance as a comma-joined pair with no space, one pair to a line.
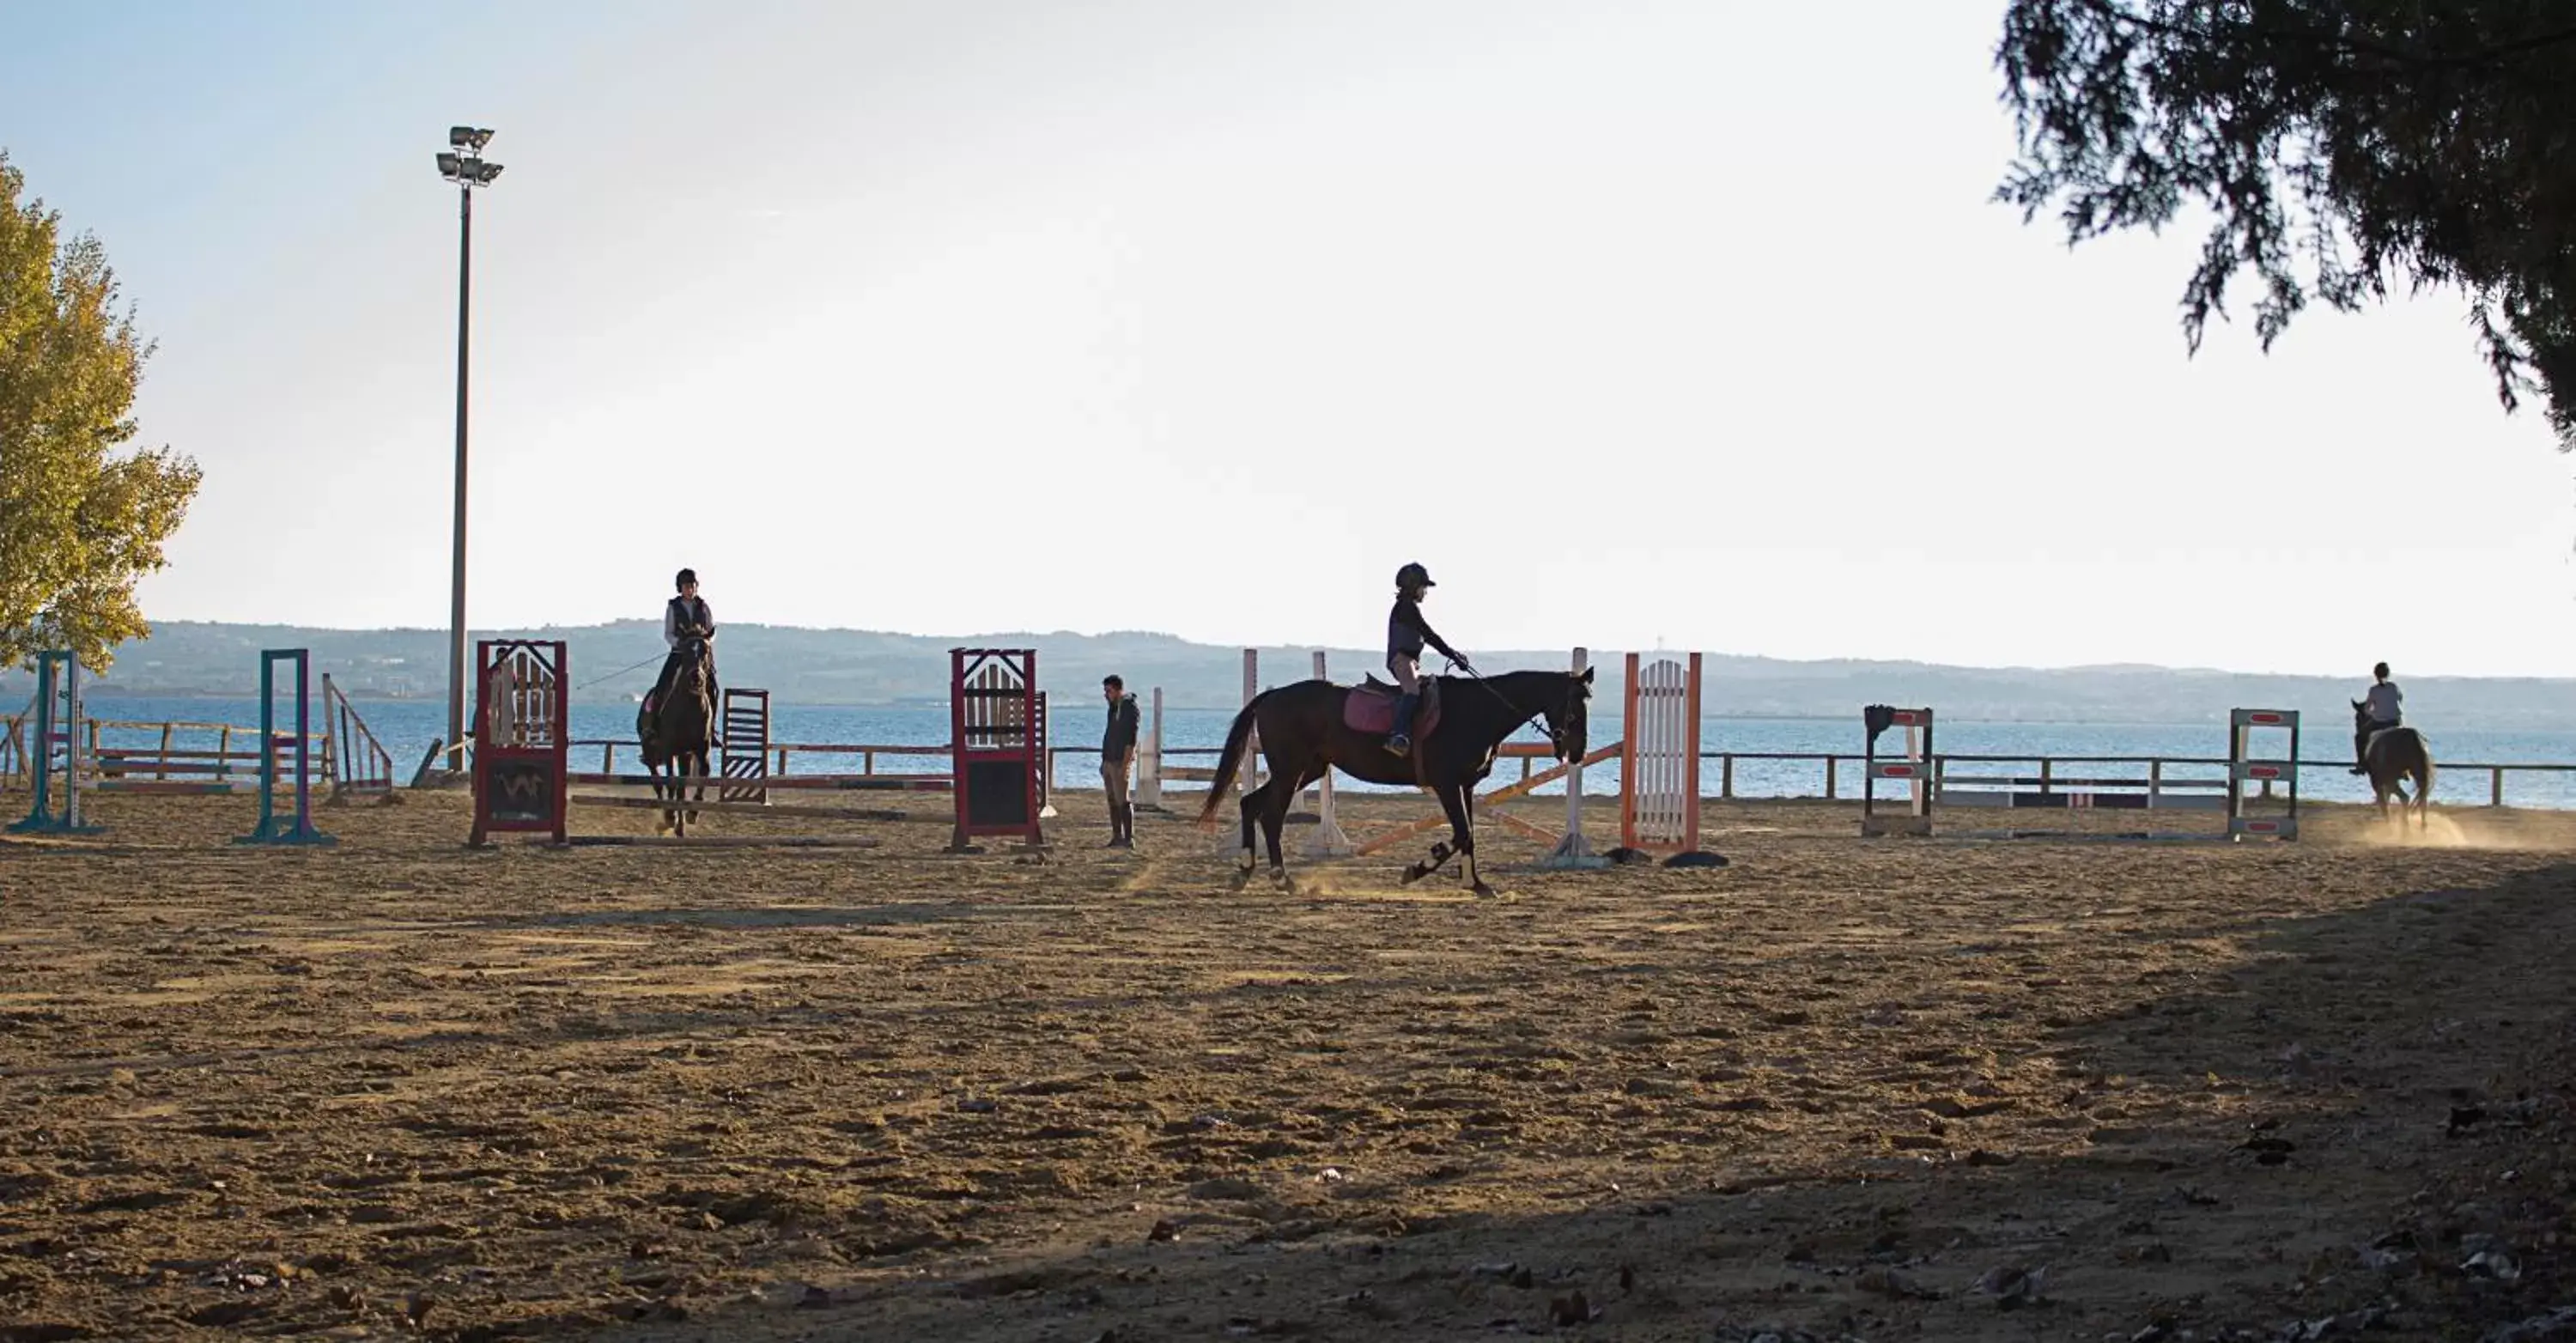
1889,1090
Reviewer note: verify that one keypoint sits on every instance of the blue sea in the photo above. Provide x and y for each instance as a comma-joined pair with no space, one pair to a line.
408,727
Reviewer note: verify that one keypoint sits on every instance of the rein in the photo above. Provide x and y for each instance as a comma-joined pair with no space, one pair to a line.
1555,740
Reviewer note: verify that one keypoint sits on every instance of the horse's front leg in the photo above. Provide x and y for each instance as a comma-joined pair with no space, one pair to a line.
1460,844
1462,820
699,793
666,818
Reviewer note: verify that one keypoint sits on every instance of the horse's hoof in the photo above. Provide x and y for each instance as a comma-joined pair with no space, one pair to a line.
1482,891
1411,875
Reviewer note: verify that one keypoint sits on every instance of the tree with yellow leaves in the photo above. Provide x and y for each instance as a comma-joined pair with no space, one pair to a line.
80,519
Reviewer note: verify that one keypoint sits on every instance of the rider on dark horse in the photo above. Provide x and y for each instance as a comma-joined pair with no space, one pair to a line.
689,628
1406,633
2380,704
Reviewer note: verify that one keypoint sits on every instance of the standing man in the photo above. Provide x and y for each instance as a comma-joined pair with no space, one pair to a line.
1117,754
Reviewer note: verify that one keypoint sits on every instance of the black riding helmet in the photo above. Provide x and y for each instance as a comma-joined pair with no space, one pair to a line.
1413,576
687,576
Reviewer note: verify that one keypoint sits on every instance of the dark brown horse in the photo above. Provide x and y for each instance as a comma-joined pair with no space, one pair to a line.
1303,735
678,729
2391,757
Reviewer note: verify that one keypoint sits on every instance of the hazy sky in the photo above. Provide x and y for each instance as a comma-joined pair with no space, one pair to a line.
1638,322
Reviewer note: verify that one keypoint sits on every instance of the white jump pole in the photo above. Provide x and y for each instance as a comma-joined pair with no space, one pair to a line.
1149,762
1251,775
1328,841
1574,850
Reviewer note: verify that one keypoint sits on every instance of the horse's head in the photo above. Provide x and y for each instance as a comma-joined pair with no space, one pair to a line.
696,672
1567,716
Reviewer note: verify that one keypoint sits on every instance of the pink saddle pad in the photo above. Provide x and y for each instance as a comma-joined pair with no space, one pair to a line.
1370,708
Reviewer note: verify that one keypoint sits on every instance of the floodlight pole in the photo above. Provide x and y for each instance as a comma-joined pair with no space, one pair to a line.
458,672
463,164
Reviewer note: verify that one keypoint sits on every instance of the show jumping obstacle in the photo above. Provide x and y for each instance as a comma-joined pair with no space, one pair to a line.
745,754
364,767
2243,768
523,780
1659,771
275,826
57,723
1926,780
1912,769
113,769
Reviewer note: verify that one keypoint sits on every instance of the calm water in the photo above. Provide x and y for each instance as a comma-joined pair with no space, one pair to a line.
407,727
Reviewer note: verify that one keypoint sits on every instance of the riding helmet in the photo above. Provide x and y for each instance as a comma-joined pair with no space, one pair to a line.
1414,576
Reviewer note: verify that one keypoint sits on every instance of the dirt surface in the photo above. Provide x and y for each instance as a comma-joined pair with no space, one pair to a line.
1891,1089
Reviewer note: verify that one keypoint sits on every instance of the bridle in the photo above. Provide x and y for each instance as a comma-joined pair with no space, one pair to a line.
1555,736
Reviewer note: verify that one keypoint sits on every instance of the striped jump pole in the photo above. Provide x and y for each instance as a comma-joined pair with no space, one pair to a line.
829,783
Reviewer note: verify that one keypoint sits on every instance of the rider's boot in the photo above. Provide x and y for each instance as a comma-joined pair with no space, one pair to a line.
1400,742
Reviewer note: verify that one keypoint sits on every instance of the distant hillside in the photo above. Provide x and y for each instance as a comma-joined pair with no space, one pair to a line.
811,666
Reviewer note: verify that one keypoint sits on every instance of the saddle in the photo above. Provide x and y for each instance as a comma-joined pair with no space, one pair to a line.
1370,708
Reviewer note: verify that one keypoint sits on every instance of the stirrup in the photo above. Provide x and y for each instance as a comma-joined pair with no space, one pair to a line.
1399,746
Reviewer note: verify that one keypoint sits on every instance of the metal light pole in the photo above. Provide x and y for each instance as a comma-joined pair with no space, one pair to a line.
463,164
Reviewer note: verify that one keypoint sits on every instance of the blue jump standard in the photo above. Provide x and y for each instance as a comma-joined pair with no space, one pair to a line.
57,687
274,828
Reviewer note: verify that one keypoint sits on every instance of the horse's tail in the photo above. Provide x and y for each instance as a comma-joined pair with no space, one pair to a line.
1232,759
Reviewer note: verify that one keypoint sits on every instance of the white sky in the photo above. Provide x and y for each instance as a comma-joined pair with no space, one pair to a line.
1638,322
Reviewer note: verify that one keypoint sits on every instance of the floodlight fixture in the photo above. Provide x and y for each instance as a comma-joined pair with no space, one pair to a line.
463,164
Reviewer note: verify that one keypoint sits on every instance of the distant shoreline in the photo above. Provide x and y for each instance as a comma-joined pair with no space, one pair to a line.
95,694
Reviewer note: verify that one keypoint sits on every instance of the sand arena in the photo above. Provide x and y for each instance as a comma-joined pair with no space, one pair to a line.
1897,1089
